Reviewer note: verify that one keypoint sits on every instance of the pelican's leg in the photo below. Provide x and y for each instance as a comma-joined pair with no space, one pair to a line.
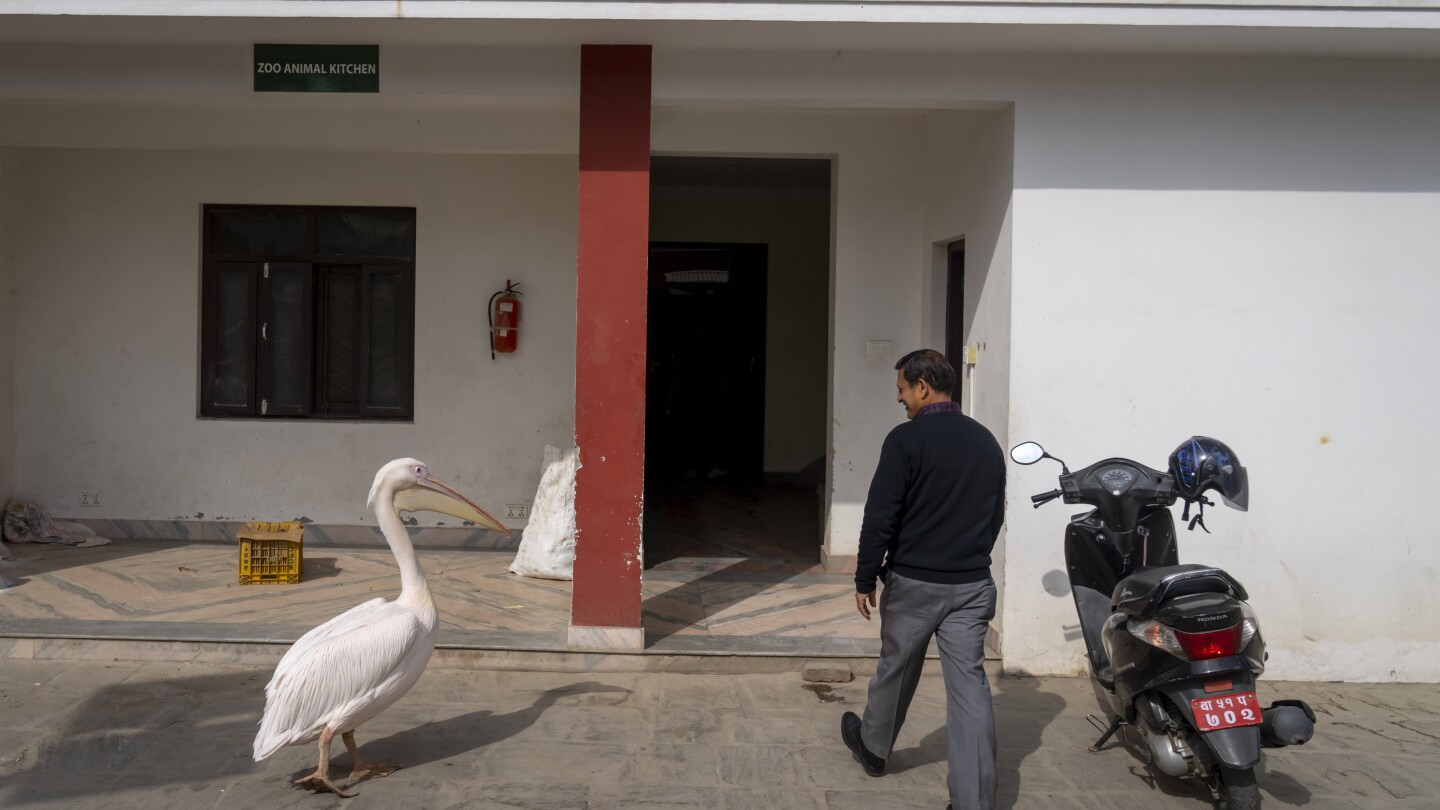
320,780
364,770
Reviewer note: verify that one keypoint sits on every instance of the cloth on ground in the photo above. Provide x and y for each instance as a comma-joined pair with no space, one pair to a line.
28,522
547,546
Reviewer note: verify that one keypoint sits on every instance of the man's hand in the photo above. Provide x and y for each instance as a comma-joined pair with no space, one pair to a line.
863,603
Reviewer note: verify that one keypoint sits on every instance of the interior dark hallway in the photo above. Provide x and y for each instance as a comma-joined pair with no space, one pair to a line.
770,524
736,341
706,494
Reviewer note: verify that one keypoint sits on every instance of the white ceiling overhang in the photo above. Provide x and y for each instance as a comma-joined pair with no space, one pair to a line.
1324,28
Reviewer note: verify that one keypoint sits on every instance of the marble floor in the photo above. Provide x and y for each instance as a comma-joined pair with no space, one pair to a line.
146,588
730,570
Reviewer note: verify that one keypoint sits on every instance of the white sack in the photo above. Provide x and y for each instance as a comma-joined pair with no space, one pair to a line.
547,547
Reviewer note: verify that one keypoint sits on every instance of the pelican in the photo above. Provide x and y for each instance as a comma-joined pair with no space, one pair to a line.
354,666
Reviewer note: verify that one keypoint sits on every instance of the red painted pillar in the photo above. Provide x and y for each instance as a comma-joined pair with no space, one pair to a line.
610,345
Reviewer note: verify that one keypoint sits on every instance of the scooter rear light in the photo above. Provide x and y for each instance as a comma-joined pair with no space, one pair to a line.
1210,644
1249,625
1156,635
1193,646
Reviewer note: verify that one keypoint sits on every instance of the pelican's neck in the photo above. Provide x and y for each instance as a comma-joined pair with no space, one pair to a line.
413,589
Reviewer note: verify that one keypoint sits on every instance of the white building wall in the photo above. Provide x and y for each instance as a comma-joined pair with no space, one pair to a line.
969,175
106,267
1246,251
879,268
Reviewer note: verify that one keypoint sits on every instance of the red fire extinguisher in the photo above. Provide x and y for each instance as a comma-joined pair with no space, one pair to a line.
504,319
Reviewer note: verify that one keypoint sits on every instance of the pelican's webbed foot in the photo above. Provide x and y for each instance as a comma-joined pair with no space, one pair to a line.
319,782
359,769
372,770
320,779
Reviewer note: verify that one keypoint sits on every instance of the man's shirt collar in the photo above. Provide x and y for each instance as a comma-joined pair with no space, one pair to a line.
948,406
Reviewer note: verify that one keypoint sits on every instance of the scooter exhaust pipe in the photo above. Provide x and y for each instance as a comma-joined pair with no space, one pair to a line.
1287,722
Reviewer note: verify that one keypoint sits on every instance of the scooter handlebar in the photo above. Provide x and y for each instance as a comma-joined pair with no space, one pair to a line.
1045,497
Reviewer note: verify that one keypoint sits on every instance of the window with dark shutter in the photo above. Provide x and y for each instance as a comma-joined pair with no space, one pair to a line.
308,312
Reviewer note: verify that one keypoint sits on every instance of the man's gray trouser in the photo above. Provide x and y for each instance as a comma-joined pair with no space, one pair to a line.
911,612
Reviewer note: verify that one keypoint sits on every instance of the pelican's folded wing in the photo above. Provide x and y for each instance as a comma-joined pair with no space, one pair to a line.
343,663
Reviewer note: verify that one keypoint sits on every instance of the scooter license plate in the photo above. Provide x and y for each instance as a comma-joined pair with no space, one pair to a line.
1226,711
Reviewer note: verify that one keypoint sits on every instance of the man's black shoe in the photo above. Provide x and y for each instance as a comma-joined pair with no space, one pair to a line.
850,733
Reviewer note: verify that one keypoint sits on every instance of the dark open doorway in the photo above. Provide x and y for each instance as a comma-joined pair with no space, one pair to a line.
705,390
739,272
955,312
706,492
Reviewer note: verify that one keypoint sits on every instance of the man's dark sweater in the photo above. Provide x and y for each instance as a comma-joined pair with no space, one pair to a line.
936,503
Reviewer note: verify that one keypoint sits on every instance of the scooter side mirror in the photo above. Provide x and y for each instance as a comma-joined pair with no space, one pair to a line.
1027,453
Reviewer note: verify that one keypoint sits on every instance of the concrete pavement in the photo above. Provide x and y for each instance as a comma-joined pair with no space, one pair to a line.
122,735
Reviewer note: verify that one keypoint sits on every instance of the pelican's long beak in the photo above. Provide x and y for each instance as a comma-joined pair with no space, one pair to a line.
431,495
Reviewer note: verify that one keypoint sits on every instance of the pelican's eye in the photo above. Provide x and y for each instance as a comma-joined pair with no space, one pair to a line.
419,472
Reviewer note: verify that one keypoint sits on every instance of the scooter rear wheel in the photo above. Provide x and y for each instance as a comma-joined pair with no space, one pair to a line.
1241,792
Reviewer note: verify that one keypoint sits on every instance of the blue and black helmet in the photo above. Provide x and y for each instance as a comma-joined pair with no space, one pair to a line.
1201,463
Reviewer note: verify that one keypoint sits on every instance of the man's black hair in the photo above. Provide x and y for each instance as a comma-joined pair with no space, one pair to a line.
930,366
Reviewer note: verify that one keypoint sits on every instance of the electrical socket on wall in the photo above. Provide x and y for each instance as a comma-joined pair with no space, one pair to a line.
517,511
89,499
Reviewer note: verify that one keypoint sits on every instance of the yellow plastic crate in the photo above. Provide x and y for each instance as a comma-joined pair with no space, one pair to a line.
271,552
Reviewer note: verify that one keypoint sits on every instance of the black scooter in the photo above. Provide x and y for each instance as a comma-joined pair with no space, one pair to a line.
1174,649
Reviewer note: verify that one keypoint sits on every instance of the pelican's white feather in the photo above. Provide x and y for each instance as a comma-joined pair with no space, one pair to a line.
340,677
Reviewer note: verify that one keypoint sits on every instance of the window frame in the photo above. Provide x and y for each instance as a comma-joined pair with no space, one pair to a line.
258,371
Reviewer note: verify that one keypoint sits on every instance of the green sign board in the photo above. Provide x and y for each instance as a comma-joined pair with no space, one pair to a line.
317,68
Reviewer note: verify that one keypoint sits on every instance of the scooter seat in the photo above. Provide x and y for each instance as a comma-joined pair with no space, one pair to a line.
1142,593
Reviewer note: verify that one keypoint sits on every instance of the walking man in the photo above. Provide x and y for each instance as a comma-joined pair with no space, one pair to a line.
934,509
